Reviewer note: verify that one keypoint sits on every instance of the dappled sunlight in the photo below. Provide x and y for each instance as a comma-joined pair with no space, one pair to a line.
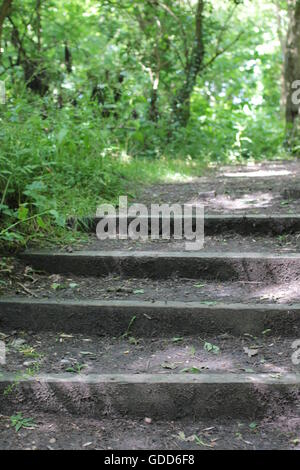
176,359
257,174
173,177
125,158
149,225
271,367
280,293
243,202
232,358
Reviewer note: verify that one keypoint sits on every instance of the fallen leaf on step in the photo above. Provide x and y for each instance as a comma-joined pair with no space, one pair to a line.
183,437
251,352
200,442
87,444
169,365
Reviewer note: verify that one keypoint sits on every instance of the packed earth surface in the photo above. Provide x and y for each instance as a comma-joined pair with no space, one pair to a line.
116,319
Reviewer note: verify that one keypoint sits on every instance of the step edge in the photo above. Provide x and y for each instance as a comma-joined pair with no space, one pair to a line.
142,304
164,254
120,379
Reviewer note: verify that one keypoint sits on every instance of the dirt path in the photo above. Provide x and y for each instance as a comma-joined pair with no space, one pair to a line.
266,188
250,377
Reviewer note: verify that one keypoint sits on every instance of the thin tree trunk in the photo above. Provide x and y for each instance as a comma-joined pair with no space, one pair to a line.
4,12
292,67
38,24
153,109
182,102
283,41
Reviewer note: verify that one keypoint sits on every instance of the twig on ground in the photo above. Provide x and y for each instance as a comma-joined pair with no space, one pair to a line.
25,289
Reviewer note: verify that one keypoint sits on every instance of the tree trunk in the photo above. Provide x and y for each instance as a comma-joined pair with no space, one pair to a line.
4,11
36,76
283,41
38,25
292,68
153,110
182,102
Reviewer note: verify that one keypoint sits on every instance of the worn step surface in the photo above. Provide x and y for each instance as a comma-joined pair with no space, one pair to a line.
24,282
150,318
164,396
221,243
161,265
130,353
264,188
70,432
115,331
214,224
219,377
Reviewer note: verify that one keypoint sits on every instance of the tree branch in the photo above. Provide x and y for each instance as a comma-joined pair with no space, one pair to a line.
184,38
225,49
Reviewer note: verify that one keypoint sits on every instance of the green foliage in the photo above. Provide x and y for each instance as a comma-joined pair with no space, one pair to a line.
19,422
93,117
211,348
63,166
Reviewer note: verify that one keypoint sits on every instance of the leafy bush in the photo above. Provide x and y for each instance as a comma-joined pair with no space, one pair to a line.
61,163
91,102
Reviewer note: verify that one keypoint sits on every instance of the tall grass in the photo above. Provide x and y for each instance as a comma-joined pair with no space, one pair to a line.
58,163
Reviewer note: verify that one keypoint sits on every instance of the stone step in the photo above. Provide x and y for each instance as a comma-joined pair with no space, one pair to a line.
130,353
228,242
216,224
159,396
40,285
53,431
159,318
268,268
